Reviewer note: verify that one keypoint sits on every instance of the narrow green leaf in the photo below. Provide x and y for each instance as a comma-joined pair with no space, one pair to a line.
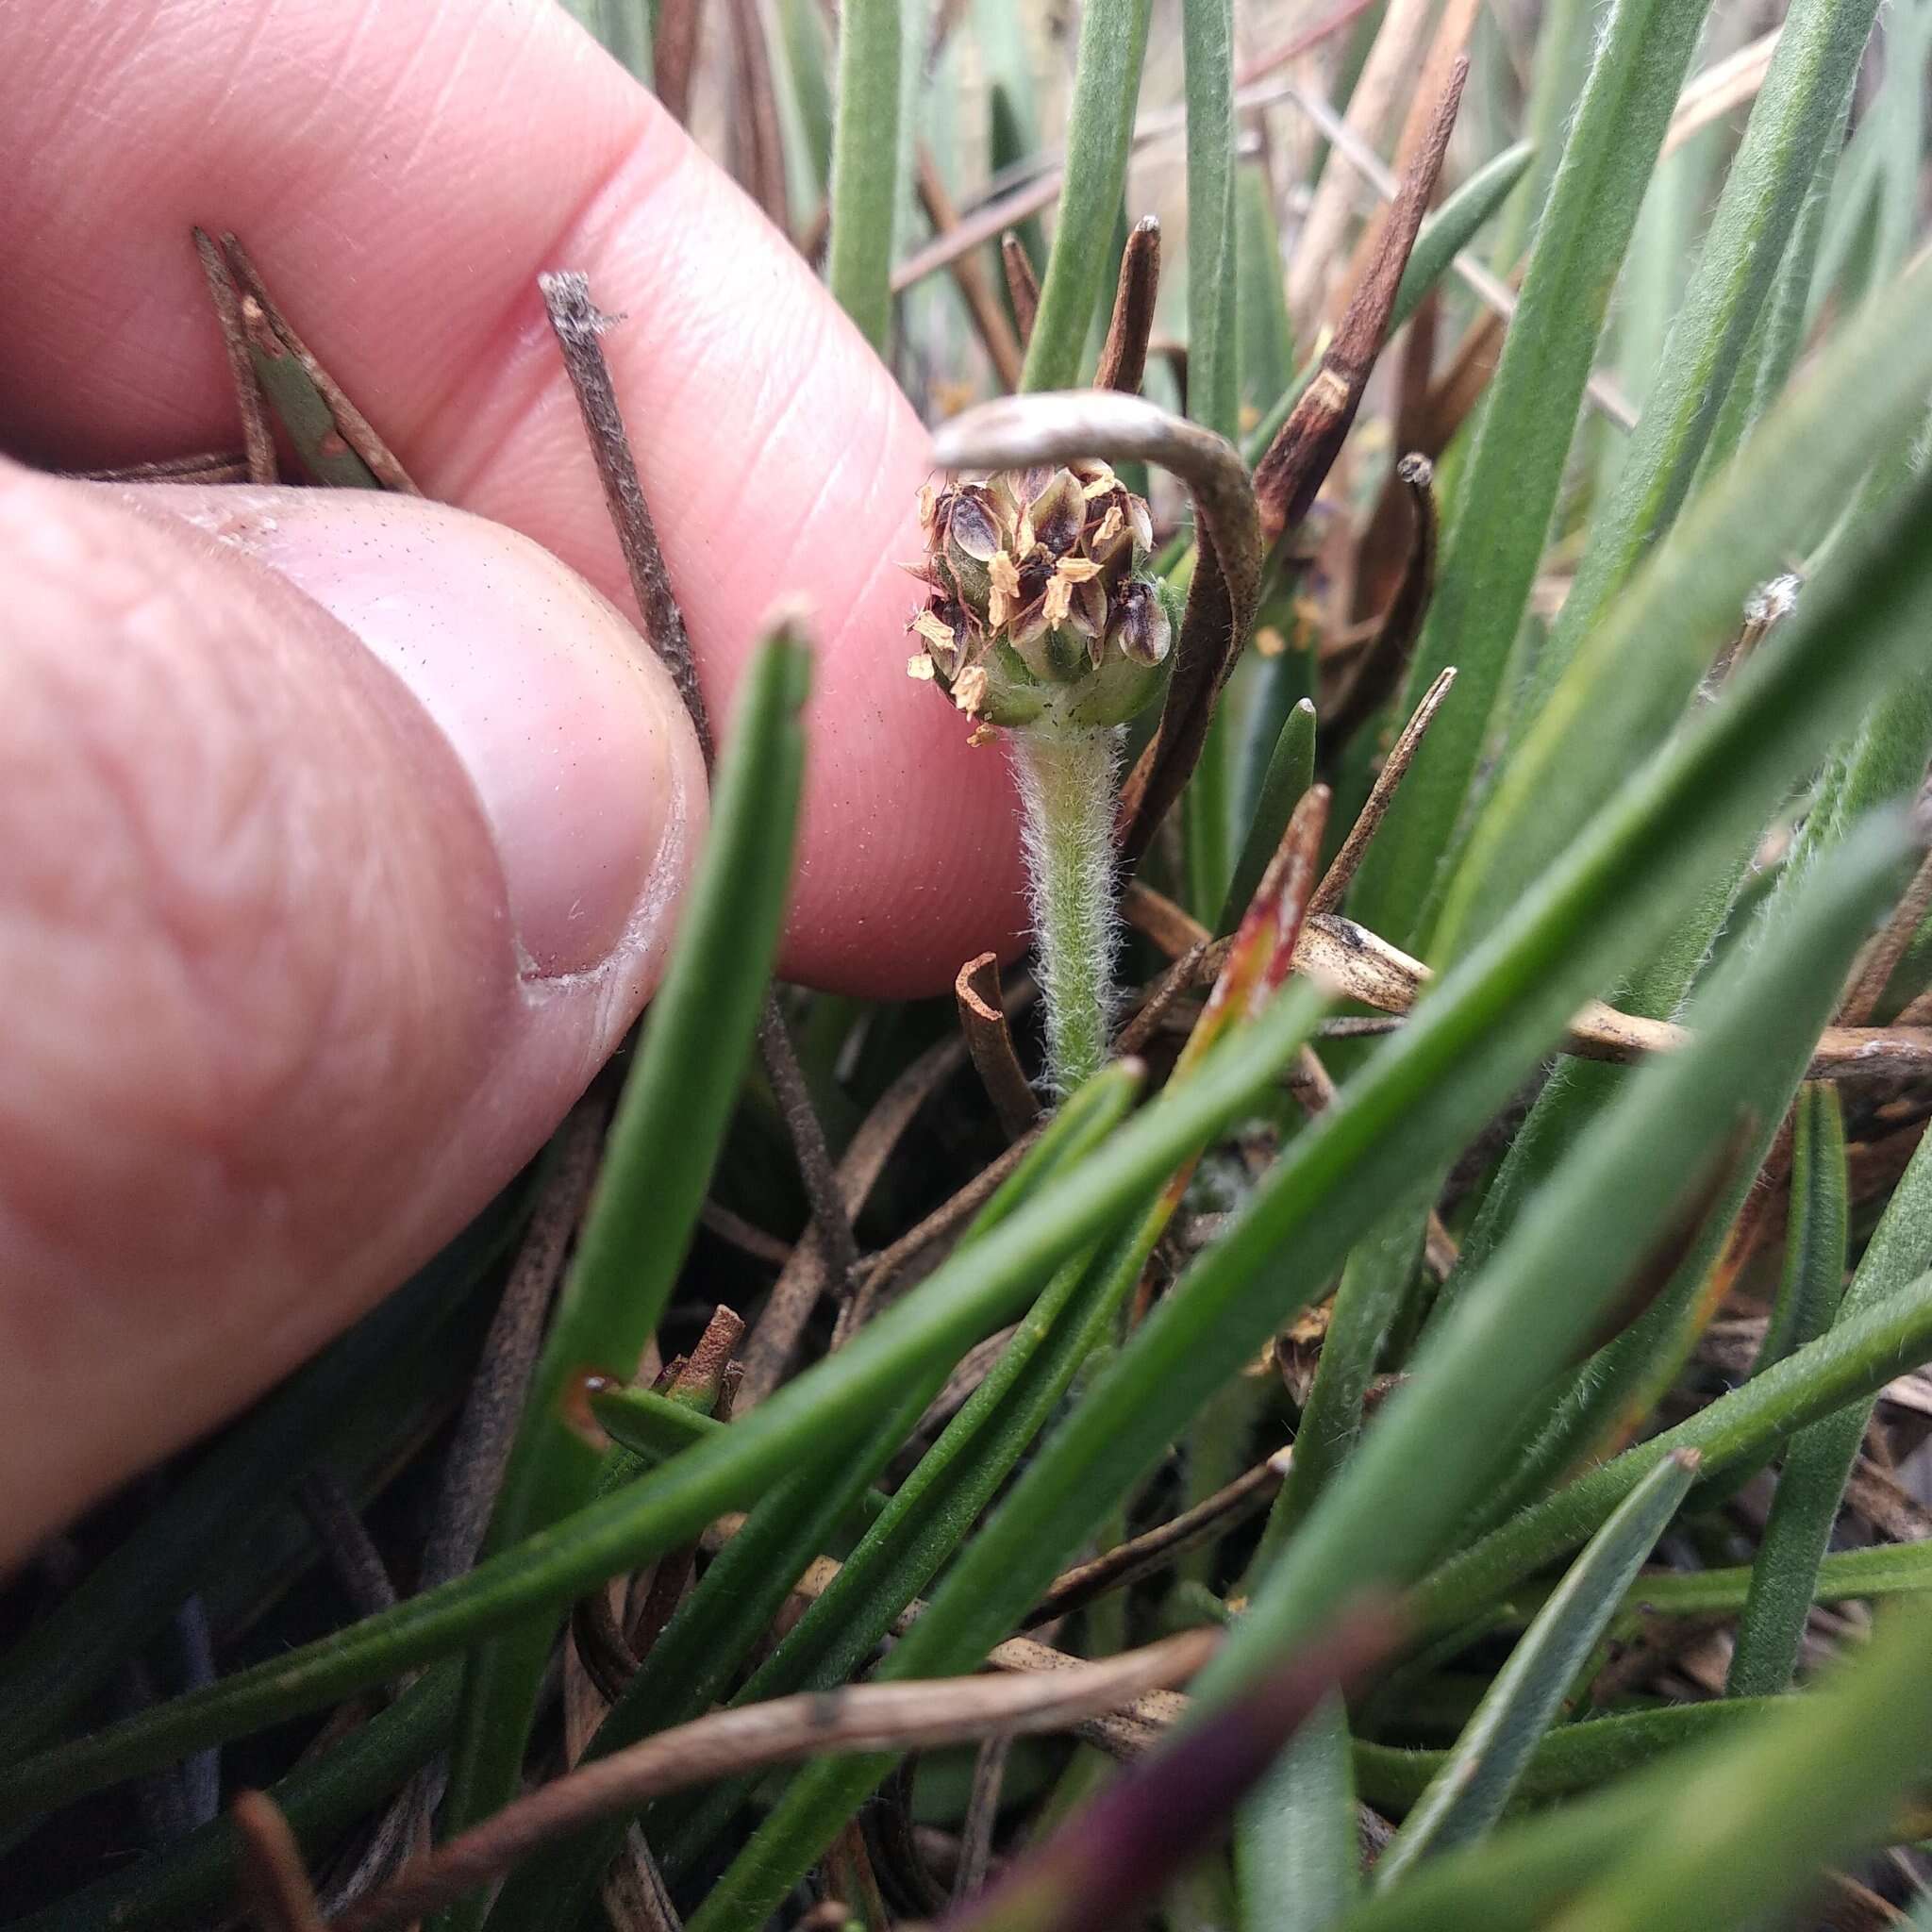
1275,792
1012,142
1455,225
1813,1277
1213,379
831,1404
1631,678
1773,351
1804,93
700,1652
652,1427
1738,1828
1852,1361
669,1126
1516,1881
1297,1856
807,94
1214,383
865,165
193,1883
1516,463
1561,58
1468,1795
1373,1286
1753,1823
1264,336
1785,1576
1570,1758
1882,1569
127,1598
1100,128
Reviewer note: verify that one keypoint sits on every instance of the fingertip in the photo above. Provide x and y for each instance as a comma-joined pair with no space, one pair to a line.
264,916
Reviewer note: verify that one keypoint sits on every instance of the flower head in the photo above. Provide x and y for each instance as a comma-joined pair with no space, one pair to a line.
1038,601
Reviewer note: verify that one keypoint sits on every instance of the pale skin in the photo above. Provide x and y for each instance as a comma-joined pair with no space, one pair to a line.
340,839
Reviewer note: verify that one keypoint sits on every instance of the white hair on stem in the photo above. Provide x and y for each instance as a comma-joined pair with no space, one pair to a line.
1066,778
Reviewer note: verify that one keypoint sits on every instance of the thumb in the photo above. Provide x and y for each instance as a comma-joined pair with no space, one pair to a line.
339,839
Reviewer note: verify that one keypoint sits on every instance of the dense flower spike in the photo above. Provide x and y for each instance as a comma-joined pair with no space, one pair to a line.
1038,605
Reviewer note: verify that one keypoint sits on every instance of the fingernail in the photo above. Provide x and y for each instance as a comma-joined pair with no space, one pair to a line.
571,731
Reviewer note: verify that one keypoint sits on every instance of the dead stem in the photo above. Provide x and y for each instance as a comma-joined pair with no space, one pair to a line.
339,1532
1379,672
274,1883
880,1270
749,1239
1342,869
579,325
1389,74
1291,474
1149,1018
757,140
1022,285
1124,355
700,1383
728,1743
213,466
990,1040
257,438
675,53
831,1218
479,1448
1155,1549
351,426
1491,290
996,332
1360,965
776,1334
1303,40
982,1814
1880,958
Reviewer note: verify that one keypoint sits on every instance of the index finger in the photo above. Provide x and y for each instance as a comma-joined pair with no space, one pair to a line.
401,175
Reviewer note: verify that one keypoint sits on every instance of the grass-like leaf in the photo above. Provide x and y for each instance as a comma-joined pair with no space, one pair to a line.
830,1405
692,1662
665,1139
1810,82
1515,466
1288,773
865,164
1398,1503
1753,1823
1468,1795
1100,126
130,1595
1631,678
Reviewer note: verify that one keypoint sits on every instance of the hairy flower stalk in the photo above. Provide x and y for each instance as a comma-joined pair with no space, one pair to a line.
1042,619
1067,800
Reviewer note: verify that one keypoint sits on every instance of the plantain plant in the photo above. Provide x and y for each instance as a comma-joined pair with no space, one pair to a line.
1434,1255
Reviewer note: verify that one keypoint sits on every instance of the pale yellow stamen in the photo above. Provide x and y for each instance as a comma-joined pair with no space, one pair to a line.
934,629
969,689
1003,581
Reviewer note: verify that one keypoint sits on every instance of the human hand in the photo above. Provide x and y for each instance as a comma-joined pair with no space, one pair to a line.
340,834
